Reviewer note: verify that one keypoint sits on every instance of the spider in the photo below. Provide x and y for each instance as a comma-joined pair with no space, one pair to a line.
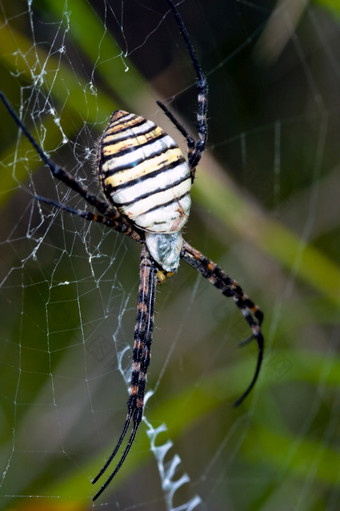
146,182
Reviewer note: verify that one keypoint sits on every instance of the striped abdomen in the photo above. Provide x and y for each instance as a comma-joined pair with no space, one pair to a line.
144,173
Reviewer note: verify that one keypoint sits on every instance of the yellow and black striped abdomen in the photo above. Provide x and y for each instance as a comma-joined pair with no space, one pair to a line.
143,172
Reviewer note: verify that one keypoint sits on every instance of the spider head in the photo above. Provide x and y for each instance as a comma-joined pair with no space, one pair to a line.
163,275
165,249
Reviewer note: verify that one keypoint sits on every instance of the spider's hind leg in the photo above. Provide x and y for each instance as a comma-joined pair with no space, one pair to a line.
195,152
140,362
113,220
230,288
191,144
58,172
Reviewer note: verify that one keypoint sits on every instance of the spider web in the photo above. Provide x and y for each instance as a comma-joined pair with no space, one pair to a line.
265,208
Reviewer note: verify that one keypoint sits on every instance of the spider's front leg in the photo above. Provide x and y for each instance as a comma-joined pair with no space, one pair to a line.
230,287
140,361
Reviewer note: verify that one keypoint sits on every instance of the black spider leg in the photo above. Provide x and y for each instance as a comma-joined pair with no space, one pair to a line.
229,287
140,361
121,224
94,217
179,126
195,149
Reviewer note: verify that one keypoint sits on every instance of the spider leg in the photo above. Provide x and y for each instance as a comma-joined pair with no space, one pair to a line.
60,173
121,226
197,150
140,359
229,287
179,126
181,129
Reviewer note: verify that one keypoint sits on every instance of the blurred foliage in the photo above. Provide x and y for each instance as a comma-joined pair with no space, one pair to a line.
265,208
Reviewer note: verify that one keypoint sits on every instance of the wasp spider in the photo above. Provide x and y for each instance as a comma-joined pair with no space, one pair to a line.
146,181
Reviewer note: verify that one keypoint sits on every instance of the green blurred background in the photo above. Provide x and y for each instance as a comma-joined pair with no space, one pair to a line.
265,207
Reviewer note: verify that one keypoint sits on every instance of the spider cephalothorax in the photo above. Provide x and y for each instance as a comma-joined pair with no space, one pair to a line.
146,182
